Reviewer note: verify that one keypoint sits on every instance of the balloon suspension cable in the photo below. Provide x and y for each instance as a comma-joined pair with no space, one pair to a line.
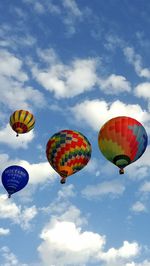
9,196
121,171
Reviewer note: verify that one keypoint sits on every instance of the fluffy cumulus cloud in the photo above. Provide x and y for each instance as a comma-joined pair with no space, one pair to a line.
13,84
72,6
11,66
143,91
140,169
44,7
116,257
8,258
97,112
136,60
15,143
114,84
72,15
67,81
145,187
4,231
76,77
39,172
77,246
112,188
138,207
144,263
17,214
74,247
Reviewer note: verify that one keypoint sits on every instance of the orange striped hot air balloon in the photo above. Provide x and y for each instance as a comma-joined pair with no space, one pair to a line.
68,152
22,121
122,140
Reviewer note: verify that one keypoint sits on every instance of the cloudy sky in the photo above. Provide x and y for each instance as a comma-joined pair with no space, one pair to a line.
75,64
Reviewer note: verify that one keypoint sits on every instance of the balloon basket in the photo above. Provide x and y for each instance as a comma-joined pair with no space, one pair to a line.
121,171
63,180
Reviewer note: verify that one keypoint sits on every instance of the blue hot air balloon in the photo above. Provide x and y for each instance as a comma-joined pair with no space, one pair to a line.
14,178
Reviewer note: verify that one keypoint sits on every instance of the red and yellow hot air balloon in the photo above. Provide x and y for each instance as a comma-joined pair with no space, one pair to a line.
122,140
68,152
22,121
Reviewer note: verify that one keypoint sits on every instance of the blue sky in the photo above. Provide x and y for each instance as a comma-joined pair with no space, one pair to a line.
75,64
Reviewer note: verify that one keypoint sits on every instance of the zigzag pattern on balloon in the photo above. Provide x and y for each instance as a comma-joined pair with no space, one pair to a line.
22,121
68,148
122,136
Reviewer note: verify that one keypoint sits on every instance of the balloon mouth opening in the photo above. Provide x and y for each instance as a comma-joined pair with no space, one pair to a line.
19,130
64,172
121,161
19,127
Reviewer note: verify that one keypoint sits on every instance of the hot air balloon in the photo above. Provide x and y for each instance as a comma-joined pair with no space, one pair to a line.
22,121
122,140
14,178
68,152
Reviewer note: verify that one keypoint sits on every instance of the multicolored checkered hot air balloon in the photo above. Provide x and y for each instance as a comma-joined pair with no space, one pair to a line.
22,121
68,152
122,140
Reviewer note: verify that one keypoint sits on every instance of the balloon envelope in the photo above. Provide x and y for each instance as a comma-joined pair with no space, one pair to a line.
122,140
14,178
22,121
68,152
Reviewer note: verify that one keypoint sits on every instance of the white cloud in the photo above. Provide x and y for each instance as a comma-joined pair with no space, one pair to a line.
12,79
27,97
39,8
114,84
78,247
66,192
62,208
93,166
44,7
39,172
8,209
17,214
144,263
112,188
140,169
138,207
115,256
47,56
28,214
10,39
54,9
4,231
67,81
74,247
145,187
143,90
72,15
97,112
71,5
11,66
15,142
9,258
136,60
